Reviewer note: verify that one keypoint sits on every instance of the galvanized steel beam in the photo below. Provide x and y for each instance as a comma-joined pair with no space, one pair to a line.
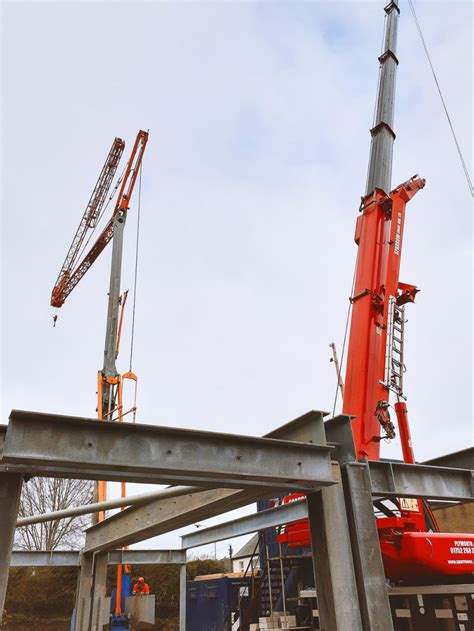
83,593
284,514
463,459
307,428
10,490
161,516
71,558
147,557
338,431
46,558
3,433
336,586
367,558
99,584
164,454
392,479
182,597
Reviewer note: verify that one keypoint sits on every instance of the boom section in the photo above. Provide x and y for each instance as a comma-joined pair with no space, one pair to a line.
379,236
121,207
89,221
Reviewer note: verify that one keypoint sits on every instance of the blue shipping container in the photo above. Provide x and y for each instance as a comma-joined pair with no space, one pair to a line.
209,603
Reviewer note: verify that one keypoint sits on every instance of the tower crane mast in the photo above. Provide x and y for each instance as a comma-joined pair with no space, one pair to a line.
109,380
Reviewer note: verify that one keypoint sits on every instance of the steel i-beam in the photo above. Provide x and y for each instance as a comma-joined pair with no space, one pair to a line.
78,447
10,490
369,571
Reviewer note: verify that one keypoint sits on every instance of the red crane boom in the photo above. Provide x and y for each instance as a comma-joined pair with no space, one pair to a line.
67,280
412,546
63,287
379,236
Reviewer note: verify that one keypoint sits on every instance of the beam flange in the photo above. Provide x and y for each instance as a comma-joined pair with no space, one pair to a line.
10,491
333,566
71,558
165,455
463,459
338,432
392,479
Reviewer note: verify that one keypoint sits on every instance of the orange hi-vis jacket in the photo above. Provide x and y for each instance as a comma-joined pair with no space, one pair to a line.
141,588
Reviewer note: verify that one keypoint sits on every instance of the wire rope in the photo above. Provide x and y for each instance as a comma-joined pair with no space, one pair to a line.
461,157
345,332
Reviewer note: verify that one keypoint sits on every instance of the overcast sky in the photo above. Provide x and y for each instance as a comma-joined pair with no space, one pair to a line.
259,115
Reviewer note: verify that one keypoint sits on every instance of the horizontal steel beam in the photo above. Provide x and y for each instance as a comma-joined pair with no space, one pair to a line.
390,479
71,558
463,459
428,590
158,517
162,455
45,558
90,473
147,557
284,514
161,516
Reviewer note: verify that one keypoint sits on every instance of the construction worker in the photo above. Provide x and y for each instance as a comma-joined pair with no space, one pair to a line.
141,588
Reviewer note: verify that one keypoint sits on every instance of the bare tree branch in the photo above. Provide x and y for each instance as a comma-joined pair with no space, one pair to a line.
44,495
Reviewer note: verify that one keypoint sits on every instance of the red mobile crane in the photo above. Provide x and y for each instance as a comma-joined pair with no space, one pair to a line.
411,544
110,381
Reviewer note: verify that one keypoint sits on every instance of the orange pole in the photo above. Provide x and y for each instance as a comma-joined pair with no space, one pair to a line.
118,592
404,431
101,484
123,485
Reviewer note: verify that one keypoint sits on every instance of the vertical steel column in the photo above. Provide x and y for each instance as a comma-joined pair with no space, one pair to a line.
336,588
91,591
10,490
182,597
381,149
370,575
98,590
83,594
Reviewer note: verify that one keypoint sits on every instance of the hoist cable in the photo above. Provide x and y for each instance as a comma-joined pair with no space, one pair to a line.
137,245
461,157
345,333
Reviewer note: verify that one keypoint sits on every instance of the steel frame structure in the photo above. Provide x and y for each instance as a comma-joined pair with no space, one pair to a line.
72,558
348,566
80,447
